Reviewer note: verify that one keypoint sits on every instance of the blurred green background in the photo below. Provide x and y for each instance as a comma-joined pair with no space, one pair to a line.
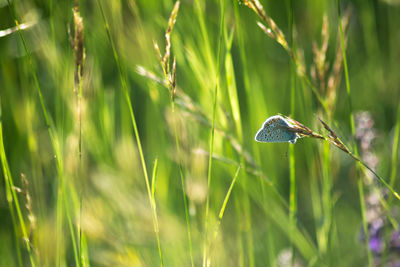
96,208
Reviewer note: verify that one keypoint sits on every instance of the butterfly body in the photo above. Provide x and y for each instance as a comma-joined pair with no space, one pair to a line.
276,129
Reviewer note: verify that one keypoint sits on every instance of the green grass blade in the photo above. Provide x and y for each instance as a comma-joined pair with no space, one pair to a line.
154,207
292,158
393,174
54,141
206,42
395,149
132,116
223,206
9,183
228,194
153,179
353,132
235,107
212,132
185,202
232,89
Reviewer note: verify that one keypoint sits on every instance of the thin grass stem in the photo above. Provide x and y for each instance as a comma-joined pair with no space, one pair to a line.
133,120
353,131
212,132
224,204
235,108
11,194
239,237
292,158
395,149
393,174
203,29
185,202
54,142
226,199
154,208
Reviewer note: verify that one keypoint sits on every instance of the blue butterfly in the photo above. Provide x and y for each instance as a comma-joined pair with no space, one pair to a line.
276,129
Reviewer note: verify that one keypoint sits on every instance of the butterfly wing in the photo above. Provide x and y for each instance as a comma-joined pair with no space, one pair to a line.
275,130
265,132
263,136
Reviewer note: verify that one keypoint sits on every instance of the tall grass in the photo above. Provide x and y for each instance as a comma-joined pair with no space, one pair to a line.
212,131
292,157
135,128
12,198
170,80
353,132
61,191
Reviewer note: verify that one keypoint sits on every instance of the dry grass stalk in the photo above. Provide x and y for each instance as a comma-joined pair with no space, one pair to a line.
171,23
77,46
328,84
301,65
158,52
272,30
336,72
11,30
320,64
28,204
142,71
172,80
169,73
183,100
320,68
79,52
302,130
334,139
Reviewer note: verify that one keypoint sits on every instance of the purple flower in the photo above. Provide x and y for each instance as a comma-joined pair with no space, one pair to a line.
376,244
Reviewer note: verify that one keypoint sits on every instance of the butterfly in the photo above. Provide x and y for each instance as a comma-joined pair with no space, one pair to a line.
276,129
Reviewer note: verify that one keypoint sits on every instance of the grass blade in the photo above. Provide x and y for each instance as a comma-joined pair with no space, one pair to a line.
133,120
223,207
215,96
56,148
154,208
224,204
353,132
10,189
292,158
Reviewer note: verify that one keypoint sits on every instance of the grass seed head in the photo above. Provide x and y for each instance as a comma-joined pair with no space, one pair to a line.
272,30
335,75
169,74
171,23
334,139
172,80
266,30
78,41
320,66
158,52
302,130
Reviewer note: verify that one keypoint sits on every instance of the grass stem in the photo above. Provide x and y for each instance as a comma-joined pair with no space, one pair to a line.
55,144
212,132
185,202
133,120
353,132
11,194
292,158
